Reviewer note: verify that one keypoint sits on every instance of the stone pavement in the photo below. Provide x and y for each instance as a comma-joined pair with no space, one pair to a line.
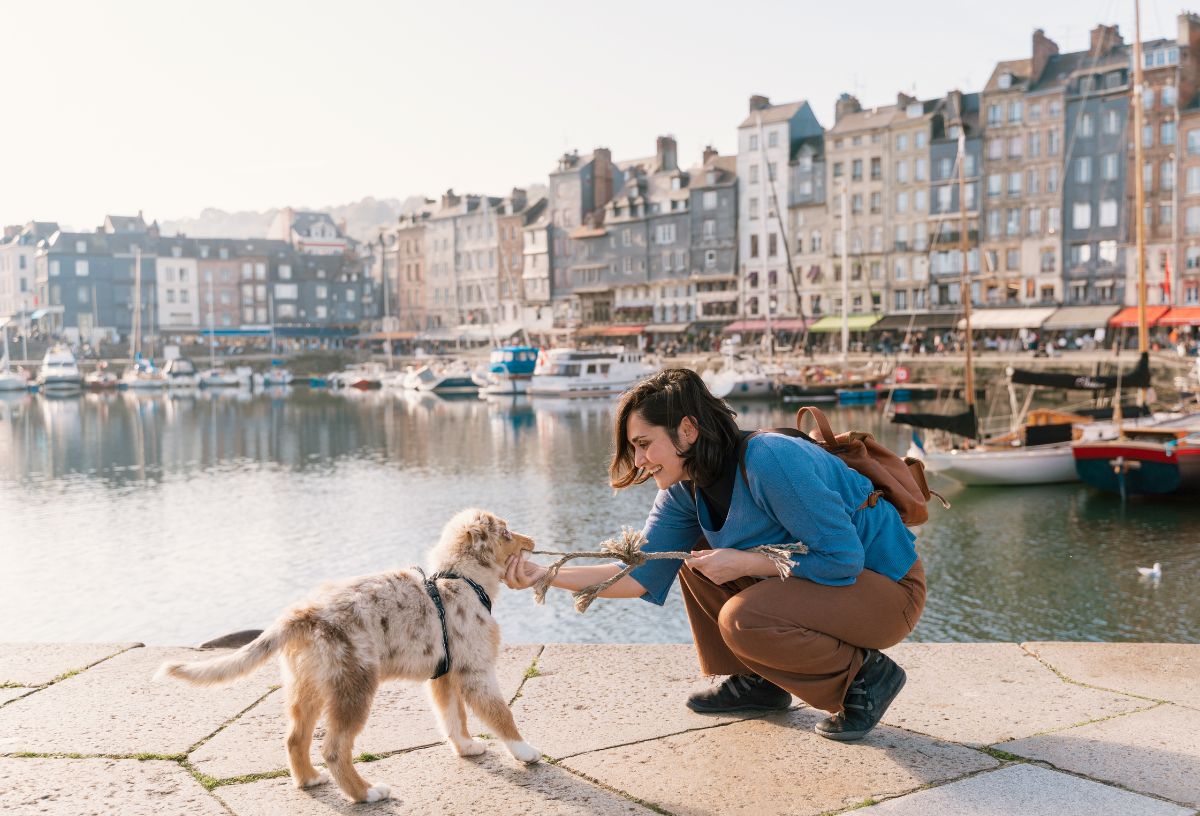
988,728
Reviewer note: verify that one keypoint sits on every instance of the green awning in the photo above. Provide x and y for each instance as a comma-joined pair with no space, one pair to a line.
833,323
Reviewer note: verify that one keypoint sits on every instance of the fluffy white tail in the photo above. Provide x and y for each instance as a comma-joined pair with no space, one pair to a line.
230,667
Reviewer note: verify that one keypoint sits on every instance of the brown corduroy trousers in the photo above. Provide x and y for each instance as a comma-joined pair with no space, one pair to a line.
805,637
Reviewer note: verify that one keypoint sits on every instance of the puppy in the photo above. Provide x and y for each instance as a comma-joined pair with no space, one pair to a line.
337,647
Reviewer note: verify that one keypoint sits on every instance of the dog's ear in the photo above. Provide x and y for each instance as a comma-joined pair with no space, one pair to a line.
482,533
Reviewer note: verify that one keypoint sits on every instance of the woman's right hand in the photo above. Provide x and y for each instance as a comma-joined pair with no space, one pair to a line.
521,574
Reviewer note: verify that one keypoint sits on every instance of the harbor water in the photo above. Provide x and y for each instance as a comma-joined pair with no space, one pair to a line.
174,518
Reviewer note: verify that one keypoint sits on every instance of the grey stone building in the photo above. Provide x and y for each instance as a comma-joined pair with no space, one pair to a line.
957,112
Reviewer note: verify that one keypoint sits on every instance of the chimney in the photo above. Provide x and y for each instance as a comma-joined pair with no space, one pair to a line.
151,230
518,199
845,104
10,231
602,177
954,107
903,100
710,153
1043,49
759,103
1104,39
449,199
665,150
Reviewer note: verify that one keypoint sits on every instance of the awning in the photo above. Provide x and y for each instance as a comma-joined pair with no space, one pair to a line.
667,328
1079,317
396,335
1008,318
788,324
901,322
1127,318
610,331
833,323
1181,316
485,331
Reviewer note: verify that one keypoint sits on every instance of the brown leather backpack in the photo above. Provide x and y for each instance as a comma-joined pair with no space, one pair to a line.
900,480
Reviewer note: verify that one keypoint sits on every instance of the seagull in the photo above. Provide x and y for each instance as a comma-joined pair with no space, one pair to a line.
1151,572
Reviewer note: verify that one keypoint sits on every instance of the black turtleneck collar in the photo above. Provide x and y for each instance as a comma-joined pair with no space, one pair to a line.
719,494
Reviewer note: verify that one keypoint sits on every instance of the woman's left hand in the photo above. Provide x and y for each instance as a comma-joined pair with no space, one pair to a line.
724,565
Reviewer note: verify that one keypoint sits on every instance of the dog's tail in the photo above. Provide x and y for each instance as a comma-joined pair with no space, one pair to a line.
227,668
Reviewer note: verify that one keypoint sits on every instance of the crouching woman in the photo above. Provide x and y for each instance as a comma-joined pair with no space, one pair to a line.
859,588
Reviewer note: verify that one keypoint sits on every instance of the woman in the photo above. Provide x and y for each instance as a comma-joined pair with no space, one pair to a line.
859,588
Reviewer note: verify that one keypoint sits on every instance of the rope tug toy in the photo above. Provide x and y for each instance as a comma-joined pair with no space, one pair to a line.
628,549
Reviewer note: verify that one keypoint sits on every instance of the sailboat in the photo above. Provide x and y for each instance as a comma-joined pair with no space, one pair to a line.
1162,457
10,380
141,373
216,376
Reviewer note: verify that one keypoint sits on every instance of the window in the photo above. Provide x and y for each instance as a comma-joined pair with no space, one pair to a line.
837,169
901,142
1166,133
1053,222
754,174
945,168
1080,254
81,268
709,200
900,241
920,201
901,299
1108,212
1112,121
815,241
665,233
1085,125
754,141
1165,213
710,259
80,247
1148,176
1052,180
1193,181
995,148
773,139
247,271
1035,220
772,245
993,117
876,168
1147,135
1012,221
876,202
856,170
1083,169
53,269
920,140
710,229
994,183
901,202
902,171
920,169
1166,175
1012,259
993,223
856,203
1169,96
753,247
1081,216
1053,142
945,195
1014,111
1147,98
1015,145
754,208
1035,145
1031,182
1107,252
1108,166
183,295
285,272
1014,184
286,291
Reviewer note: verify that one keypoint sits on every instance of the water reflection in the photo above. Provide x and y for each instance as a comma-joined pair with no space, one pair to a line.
171,517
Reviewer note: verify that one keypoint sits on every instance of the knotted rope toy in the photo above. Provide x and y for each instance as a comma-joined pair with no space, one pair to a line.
627,548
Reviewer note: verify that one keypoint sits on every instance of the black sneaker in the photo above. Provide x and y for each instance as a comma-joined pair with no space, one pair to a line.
740,692
872,691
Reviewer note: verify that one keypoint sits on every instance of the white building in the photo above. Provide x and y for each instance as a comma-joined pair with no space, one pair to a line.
765,141
177,283
313,233
17,251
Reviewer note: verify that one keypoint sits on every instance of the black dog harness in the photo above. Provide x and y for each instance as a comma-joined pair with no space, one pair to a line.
432,590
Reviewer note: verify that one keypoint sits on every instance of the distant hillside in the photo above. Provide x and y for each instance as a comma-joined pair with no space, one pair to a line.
363,218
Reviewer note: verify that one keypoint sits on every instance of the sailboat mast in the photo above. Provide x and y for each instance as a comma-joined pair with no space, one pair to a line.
212,323
1138,186
136,328
964,285
845,272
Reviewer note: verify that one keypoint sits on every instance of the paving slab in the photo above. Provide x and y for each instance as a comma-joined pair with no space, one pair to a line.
1162,671
116,708
1155,751
35,664
984,693
7,694
592,696
775,765
82,787
1024,790
401,718
435,782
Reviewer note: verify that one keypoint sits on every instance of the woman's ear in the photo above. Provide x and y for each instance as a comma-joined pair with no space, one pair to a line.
689,431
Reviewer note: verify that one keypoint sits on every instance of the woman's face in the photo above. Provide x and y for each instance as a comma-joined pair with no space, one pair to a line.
654,451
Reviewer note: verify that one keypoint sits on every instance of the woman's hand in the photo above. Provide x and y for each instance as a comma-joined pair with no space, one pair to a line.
724,565
521,574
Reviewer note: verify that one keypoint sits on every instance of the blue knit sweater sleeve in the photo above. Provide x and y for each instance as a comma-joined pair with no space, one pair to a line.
671,527
792,483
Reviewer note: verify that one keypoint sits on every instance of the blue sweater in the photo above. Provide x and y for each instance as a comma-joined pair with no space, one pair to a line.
796,492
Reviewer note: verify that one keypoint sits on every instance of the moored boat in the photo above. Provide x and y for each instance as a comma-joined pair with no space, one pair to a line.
1155,460
567,372
59,372
181,373
510,370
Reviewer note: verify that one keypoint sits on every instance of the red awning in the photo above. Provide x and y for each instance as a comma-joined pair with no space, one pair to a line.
1127,318
1181,316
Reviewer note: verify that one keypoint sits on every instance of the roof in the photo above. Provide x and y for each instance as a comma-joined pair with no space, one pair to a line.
124,223
1019,69
773,113
865,119
304,220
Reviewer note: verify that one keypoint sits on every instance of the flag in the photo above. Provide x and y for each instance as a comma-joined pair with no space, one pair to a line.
1166,286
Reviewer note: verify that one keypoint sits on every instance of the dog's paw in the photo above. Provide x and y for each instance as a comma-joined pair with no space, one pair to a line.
525,752
320,779
378,792
470,748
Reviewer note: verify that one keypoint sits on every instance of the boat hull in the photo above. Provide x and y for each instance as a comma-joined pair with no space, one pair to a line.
1139,468
1044,464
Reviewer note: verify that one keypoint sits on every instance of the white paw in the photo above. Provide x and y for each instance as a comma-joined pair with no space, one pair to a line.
378,792
525,752
320,779
470,748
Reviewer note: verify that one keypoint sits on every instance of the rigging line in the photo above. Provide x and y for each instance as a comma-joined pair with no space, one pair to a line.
787,250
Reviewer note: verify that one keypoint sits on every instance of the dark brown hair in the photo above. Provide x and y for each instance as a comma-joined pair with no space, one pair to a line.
664,400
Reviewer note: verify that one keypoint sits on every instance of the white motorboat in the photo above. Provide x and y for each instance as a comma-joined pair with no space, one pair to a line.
181,373
453,377
741,378
59,372
101,379
221,377
275,377
363,376
566,372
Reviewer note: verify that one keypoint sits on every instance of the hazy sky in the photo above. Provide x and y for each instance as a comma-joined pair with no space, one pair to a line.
171,107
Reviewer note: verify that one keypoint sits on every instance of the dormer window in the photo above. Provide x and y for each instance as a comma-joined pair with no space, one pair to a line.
176,252
712,177
1006,80
676,183
80,247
